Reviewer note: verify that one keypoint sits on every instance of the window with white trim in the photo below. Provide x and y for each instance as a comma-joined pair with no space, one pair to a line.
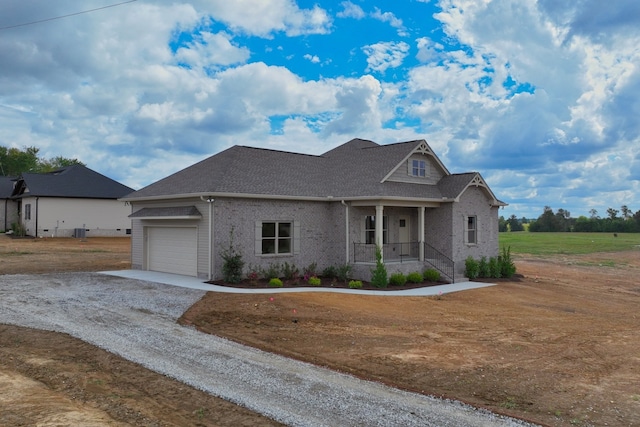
370,229
27,211
471,230
418,168
277,238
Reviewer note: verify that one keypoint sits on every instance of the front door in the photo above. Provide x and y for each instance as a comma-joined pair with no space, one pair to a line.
405,236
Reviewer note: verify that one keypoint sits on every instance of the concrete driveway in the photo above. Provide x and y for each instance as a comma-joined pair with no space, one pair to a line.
136,319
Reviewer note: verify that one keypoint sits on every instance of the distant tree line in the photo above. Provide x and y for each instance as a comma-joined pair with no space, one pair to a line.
15,161
623,220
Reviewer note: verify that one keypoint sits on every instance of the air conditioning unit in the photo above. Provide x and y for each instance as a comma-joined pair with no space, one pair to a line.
79,233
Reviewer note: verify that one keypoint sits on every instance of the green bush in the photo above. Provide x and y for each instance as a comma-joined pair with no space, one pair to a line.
330,272
507,267
275,283
342,272
355,284
290,271
415,277
314,281
379,277
233,263
311,270
483,268
397,279
273,270
471,268
431,275
495,270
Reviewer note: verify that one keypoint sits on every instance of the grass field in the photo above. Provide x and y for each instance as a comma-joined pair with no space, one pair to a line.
568,243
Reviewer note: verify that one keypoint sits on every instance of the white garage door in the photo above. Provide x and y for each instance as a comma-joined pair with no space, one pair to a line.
173,250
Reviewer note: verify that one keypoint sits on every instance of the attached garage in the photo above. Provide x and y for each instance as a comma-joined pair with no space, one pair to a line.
173,250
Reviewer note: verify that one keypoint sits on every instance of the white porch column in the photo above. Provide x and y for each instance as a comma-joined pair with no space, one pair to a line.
379,226
421,232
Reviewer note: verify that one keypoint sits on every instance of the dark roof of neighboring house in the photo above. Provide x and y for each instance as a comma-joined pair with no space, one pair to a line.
6,186
75,181
356,169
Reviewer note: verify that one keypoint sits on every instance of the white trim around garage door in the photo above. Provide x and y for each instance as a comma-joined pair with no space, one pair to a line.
172,250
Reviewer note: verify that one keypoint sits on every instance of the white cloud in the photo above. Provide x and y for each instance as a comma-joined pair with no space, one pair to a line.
312,58
383,55
261,18
391,19
211,50
350,11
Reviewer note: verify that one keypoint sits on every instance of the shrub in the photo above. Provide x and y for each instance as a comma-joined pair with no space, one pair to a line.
310,270
342,272
495,270
314,281
273,270
289,271
355,284
415,277
330,272
507,267
233,263
275,283
397,279
431,275
471,268
18,229
483,268
379,274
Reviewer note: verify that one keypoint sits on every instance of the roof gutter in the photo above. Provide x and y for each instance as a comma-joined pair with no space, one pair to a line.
203,197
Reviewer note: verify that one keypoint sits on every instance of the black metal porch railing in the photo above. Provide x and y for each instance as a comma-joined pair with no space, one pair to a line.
439,261
405,252
391,252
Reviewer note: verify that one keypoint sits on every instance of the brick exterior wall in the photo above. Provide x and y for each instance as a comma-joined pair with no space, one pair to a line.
322,231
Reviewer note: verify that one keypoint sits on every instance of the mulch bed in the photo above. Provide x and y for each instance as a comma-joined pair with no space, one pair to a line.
325,283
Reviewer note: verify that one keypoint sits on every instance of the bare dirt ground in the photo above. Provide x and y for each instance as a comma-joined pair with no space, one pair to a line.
558,346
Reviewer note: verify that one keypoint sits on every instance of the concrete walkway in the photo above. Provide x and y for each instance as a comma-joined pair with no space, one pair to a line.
195,283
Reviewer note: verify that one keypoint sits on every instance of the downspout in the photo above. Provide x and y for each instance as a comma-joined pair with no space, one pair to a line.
37,198
346,228
210,201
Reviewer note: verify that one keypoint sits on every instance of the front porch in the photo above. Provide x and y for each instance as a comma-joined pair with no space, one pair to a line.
404,257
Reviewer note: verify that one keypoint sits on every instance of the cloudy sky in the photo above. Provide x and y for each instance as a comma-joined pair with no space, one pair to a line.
541,97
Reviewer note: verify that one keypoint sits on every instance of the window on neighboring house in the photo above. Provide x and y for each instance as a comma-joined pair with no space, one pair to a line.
277,237
370,229
471,230
419,168
27,212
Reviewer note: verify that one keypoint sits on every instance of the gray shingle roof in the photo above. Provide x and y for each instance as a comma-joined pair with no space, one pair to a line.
6,186
72,181
354,169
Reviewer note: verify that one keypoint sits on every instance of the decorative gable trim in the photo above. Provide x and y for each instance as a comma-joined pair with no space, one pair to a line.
478,182
422,148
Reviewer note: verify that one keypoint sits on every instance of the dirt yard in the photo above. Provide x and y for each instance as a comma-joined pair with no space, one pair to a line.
558,346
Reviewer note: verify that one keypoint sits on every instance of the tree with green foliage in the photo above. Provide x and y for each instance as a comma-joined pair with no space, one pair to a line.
15,161
379,277
514,224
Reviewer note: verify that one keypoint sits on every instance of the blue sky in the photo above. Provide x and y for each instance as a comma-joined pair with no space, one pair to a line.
540,97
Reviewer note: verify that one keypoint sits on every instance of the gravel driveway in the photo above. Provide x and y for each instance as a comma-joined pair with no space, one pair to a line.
137,320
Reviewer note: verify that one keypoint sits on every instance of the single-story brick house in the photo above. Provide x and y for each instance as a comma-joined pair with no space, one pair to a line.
332,209
71,201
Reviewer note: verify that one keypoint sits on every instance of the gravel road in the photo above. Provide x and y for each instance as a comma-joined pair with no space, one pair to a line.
137,320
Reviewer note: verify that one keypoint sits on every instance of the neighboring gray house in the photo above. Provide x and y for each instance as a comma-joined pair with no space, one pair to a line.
71,201
331,209
8,207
